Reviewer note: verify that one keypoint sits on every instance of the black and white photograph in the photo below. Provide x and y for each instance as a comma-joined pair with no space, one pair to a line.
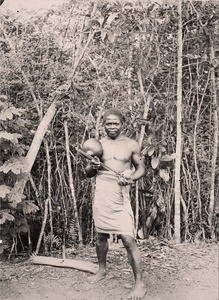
109,149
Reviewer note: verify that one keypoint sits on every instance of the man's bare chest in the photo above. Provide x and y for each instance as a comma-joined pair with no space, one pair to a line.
116,150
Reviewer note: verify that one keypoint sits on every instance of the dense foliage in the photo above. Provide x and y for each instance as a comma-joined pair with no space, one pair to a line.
87,57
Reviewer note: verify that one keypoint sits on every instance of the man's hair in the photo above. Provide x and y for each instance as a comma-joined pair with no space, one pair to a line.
115,112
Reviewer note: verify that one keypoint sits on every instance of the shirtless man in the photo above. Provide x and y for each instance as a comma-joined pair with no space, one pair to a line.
120,153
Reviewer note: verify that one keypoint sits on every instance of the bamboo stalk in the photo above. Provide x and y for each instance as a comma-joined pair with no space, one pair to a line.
136,208
48,160
36,191
71,183
81,51
185,208
43,226
62,199
140,141
12,247
199,104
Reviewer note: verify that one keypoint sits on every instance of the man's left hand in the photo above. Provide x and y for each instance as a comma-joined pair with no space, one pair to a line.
123,181
125,178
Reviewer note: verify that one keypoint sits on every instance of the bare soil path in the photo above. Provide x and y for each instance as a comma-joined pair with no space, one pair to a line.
185,272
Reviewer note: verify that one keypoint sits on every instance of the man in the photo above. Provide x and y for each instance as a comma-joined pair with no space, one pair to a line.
112,210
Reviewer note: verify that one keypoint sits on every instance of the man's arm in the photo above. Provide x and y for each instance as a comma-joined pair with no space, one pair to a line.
138,162
92,169
128,176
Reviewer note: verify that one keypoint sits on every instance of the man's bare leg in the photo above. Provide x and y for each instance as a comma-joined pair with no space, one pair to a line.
101,249
134,257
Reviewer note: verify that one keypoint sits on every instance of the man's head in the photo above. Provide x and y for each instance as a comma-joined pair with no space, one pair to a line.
115,112
112,121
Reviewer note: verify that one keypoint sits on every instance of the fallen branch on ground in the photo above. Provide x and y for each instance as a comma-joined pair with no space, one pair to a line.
65,263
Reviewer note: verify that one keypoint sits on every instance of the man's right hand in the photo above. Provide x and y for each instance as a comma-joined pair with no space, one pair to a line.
95,163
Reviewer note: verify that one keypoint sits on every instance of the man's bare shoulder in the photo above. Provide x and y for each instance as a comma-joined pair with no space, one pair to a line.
128,141
103,140
131,141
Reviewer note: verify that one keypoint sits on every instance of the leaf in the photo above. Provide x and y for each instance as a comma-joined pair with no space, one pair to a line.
164,174
6,114
160,21
5,216
111,36
103,34
12,232
111,18
148,222
151,150
20,224
155,162
192,56
20,150
168,157
145,150
15,198
141,234
22,228
100,20
153,214
9,136
27,207
17,111
150,139
16,165
161,203
4,190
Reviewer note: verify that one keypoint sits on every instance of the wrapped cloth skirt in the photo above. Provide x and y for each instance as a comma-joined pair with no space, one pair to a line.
112,211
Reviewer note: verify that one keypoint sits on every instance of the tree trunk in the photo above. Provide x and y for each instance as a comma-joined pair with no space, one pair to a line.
215,146
17,191
177,226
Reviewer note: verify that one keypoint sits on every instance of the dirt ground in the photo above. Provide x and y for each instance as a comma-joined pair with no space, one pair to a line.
182,272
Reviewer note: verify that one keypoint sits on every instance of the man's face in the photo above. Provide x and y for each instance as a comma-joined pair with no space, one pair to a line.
113,126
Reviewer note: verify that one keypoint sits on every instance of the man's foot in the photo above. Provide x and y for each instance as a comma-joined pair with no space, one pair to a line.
139,292
100,275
